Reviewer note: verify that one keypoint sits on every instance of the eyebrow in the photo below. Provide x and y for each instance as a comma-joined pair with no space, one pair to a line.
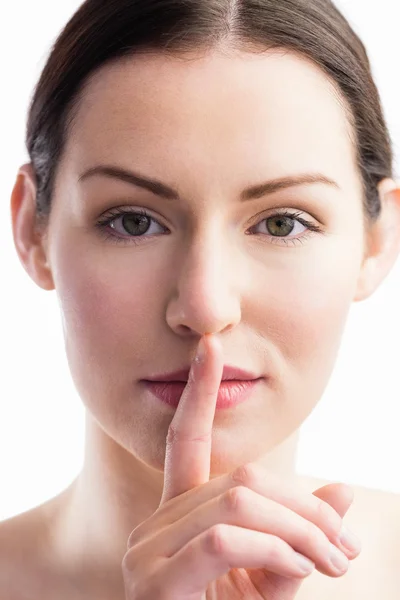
251,193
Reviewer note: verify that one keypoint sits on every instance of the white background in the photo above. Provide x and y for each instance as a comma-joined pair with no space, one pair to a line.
352,435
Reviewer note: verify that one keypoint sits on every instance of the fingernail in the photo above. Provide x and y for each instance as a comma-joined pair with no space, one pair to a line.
304,563
338,559
349,540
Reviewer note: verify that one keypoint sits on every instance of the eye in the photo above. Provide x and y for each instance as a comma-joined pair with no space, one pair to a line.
128,223
282,223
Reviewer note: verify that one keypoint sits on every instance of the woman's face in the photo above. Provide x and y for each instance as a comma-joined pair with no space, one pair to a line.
135,301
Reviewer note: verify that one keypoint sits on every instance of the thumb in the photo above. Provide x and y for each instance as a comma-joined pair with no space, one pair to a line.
339,495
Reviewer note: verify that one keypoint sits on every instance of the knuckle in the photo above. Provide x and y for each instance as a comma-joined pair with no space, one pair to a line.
215,541
176,435
138,569
135,536
129,563
235,499
246,474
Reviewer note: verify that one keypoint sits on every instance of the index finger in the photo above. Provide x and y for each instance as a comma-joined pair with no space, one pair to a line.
188,448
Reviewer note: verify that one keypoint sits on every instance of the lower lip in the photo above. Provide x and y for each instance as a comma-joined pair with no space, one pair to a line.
230,393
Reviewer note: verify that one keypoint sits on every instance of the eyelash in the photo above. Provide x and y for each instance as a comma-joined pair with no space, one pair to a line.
103,223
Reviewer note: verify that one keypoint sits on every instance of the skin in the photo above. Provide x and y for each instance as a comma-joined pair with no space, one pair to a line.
209,127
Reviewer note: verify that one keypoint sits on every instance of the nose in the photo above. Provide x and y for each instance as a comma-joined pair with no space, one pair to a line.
207,289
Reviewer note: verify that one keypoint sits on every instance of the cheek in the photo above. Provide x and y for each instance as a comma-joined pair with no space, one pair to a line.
107,307
310,325
303,319
306,308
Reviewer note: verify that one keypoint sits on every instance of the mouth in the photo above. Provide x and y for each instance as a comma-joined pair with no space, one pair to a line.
231,392
230,373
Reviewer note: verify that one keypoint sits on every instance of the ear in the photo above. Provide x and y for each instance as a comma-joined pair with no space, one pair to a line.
29,238
382,243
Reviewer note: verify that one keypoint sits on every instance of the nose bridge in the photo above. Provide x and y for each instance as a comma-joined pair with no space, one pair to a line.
206,295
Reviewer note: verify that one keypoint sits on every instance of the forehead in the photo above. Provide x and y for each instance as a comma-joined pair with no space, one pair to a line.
274,111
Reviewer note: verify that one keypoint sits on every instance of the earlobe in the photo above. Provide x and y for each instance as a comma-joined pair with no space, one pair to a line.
28,241
383,246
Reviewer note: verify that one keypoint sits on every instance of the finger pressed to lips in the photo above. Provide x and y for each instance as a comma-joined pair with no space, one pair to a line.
188,445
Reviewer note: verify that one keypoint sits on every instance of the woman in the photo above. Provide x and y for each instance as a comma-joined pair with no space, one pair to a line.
216,172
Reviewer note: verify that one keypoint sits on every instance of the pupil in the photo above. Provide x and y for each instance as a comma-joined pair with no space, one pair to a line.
133,222
281,221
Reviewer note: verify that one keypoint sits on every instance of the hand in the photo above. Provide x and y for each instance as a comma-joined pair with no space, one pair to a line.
236,536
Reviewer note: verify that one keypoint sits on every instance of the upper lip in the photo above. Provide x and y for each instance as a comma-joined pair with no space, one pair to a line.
229,373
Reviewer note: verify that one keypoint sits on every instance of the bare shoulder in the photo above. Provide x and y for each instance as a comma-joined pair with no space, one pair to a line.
374,517
24,551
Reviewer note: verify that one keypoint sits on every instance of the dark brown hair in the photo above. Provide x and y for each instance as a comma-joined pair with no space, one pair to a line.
102,31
